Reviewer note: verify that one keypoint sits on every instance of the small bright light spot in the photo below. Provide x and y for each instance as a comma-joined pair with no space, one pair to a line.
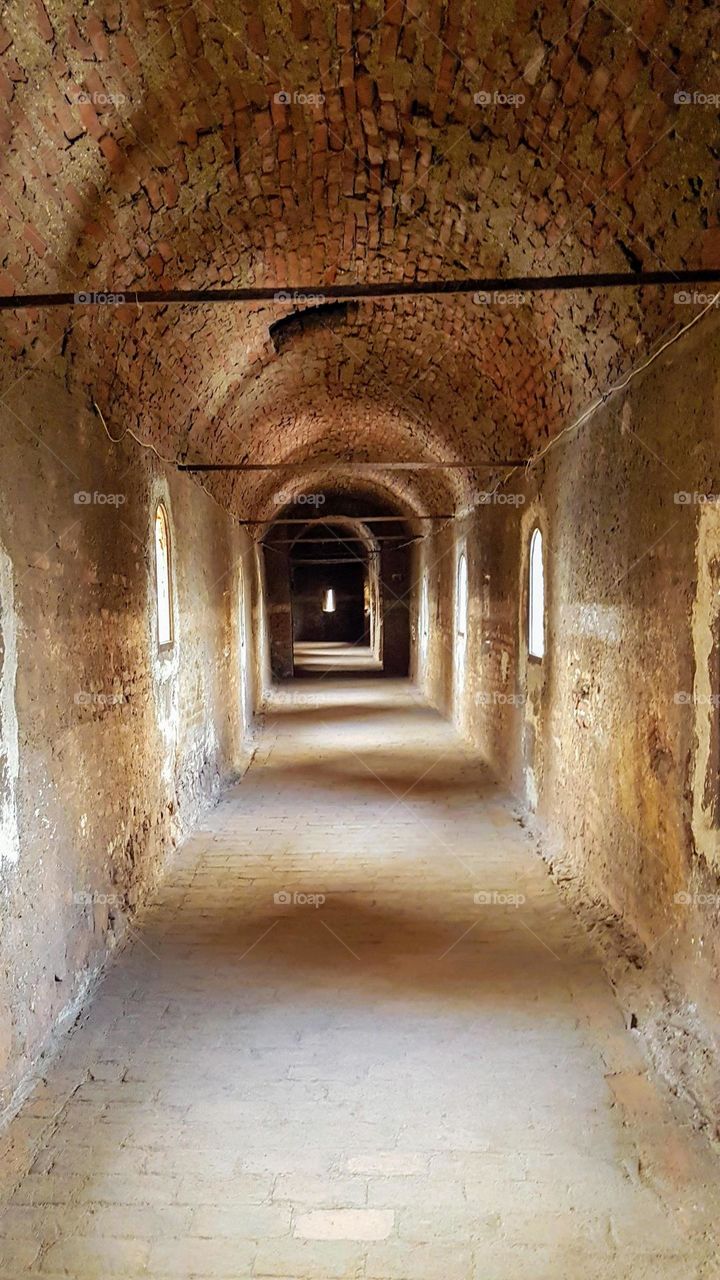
329,601
536,598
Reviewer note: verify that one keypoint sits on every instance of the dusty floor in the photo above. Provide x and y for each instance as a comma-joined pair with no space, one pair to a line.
395,1082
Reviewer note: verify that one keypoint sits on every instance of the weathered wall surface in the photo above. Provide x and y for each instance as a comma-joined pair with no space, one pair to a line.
474,678
395,589
612,740
108,748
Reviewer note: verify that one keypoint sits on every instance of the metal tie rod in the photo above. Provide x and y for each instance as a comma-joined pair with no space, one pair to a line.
318,293
333,519
350,466
342,538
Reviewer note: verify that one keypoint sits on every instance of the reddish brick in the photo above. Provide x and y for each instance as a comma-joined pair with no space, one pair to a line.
191,33
43,22
127,53
652,15
88,116
37,242
97,37
7,89
627,80
112,152
710,252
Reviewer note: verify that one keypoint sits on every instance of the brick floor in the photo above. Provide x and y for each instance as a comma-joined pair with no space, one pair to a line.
381,1077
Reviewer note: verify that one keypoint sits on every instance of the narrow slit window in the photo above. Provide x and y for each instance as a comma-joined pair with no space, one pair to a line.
329,601
241,604
536,598
462,596
163,578
424,609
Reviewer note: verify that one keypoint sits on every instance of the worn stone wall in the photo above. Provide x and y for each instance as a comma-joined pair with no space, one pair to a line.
473,679
109,748
611,742
395,587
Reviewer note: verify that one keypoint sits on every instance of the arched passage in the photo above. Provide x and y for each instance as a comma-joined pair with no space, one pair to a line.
284,148
334,595
341,580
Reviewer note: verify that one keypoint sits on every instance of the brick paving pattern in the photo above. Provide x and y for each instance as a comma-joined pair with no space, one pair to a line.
321,1056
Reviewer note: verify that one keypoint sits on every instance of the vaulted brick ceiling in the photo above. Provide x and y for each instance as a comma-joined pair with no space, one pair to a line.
284,144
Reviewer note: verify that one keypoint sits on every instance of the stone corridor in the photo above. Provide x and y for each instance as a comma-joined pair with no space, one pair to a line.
357,1034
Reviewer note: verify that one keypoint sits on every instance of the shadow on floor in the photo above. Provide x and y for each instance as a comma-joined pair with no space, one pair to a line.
486,957
381,774
344,711
321,658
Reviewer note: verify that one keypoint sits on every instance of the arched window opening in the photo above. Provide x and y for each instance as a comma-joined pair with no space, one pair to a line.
329,600
462,597
461,635
536,597
163,578
241,604
424,610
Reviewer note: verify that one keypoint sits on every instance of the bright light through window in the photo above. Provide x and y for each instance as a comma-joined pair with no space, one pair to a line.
536,598
162,577
329,601
462,596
